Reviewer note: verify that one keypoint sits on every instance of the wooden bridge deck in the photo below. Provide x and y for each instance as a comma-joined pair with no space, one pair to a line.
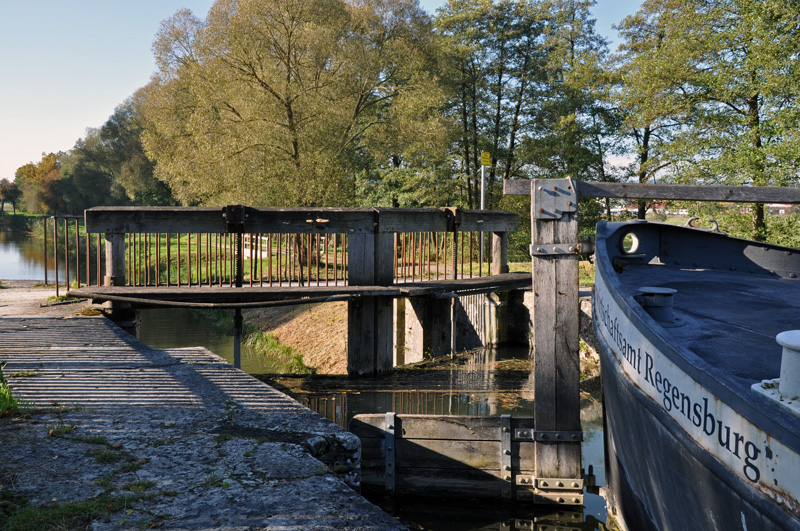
255,295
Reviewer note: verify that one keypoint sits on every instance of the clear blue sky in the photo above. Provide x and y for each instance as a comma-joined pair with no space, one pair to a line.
66,64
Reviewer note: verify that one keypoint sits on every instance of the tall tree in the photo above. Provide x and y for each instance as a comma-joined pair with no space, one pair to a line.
9,193
273,101
570,115
732,67
498,55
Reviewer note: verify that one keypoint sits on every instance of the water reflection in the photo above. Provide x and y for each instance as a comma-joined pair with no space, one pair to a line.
23,258
486,383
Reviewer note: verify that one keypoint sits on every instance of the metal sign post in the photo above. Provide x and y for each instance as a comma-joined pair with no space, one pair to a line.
486,160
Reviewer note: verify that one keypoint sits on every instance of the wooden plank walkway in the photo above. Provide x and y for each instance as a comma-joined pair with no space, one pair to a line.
250,296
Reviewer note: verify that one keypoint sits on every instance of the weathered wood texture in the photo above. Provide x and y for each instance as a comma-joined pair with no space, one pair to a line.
555,353
499,253
225,294
502,282
115,260
370,319
677,192
443,456
295,220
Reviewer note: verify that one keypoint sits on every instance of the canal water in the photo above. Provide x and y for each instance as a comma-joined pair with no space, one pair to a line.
22,258
484,383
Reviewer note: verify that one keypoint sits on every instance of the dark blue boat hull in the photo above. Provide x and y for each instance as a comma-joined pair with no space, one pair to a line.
660,479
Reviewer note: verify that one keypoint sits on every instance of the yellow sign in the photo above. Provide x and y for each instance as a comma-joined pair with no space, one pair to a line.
486,158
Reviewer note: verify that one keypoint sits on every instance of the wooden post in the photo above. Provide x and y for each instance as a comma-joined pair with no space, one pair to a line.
115,260
554,237
499,253
370,319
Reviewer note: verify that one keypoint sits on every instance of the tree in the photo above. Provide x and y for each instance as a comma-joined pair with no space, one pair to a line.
729,70
570,116
497,54
9,193
36,182
280,102
111,159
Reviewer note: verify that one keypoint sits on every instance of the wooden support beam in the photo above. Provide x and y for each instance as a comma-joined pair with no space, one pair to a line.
674,192
555,317
115,260
295,220
370,319
499,253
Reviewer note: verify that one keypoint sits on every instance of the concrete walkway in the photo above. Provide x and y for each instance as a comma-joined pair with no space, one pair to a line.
179,439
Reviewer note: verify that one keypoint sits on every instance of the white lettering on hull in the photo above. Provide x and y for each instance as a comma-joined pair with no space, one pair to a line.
752,454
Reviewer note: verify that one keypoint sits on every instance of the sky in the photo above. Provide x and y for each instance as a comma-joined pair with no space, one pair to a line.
65,65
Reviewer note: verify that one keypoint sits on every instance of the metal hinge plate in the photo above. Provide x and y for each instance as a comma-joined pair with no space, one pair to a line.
521,434
389,450
554,197
558,498
505,455
554,250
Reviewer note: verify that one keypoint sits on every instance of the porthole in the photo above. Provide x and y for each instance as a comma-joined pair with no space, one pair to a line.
630,243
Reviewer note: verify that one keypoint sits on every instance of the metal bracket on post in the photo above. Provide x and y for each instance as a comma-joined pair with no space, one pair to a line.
558,249
521,434
505,457
554,197
389,450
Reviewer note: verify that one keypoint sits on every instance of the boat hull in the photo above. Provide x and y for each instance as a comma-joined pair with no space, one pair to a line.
659,479
685,449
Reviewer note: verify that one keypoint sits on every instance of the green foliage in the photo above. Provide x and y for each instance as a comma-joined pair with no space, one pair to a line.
281,102
720,80
277,357
9,403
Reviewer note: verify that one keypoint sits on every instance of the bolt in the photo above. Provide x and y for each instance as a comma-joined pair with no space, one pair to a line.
571,248
544,484
575,485
569,203
508,478
560,484
506,430
391,427
555,188
507,467
561,500
541,211
507,452
575,437
390,449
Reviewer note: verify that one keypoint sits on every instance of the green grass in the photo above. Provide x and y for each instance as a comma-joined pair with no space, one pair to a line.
277,357
9,403
67,516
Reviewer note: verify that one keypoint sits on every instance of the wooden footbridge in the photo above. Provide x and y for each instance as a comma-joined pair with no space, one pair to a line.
243,257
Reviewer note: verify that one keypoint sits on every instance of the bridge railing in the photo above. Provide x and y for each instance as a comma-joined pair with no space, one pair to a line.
163,246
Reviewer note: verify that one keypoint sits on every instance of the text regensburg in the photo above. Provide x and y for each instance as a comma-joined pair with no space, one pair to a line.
677,402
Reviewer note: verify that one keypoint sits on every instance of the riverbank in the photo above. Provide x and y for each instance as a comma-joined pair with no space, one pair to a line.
116,435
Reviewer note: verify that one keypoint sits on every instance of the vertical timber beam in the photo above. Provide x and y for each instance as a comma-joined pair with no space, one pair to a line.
115,260
554,220
370,337
499,253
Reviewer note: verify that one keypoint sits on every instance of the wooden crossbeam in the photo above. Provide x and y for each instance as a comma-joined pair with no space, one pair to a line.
673,192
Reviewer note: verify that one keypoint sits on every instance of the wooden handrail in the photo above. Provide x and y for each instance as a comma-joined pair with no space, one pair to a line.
673,192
